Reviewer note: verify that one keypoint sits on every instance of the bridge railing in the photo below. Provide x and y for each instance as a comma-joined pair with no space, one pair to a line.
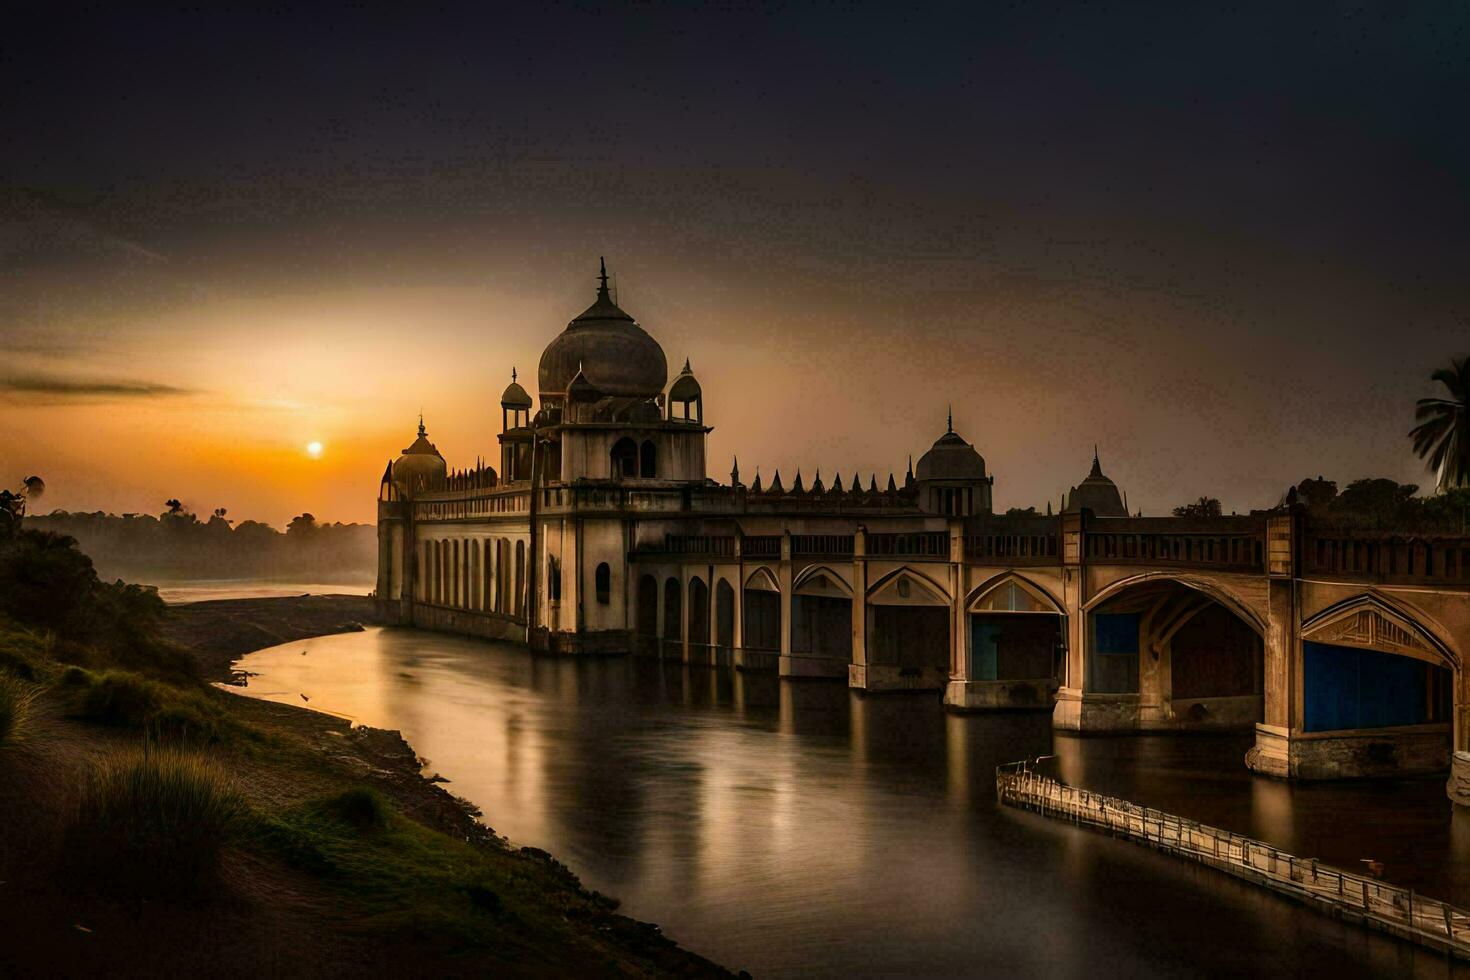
1439,559
1232,543
1399,911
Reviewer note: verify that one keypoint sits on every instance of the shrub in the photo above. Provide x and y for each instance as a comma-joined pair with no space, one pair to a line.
360,807
153,824
129,700
76,677
15,709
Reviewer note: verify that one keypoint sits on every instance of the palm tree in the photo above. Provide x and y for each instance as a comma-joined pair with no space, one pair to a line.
1442,437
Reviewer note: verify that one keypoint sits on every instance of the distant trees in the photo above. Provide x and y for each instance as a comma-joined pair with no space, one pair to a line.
1442,437
1203,507
177,545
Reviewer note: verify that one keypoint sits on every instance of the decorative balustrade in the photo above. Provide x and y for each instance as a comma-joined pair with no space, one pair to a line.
1441,559
1232,543
821,545
922,544
761,546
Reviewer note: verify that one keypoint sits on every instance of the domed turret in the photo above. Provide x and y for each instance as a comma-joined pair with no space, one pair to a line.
420,467
950,458
686,394
515,396
1096,493
951,478
618,357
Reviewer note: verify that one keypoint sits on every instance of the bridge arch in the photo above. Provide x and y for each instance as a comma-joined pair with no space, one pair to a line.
1014,631
761,608
760,577
1369,661
1371,620
1185,650
889,588
1214,590
821,580
821,615
991,589
909,625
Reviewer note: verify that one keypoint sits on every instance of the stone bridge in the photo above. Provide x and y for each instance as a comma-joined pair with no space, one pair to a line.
1341,648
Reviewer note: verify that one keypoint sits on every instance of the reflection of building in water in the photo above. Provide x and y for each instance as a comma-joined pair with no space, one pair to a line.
601,532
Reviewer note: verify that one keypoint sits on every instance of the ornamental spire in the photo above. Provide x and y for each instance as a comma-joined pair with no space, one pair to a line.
949,421
602,278
422,433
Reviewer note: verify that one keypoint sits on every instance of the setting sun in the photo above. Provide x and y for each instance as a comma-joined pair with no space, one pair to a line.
314,450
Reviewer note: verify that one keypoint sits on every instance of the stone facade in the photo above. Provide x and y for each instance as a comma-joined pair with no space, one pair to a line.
602,533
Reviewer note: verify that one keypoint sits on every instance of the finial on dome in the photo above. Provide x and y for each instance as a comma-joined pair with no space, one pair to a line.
602,277
949,422
1096,466
421,424
512,374
686,366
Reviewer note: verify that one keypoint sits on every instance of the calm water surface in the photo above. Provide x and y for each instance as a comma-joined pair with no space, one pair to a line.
798,829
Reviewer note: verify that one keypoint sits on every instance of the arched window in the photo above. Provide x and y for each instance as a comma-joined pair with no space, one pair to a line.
603,578
648,460
625,458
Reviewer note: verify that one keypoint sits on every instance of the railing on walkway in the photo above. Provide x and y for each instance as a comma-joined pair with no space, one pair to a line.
1399,911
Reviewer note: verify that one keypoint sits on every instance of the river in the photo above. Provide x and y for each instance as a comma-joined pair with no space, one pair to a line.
799,829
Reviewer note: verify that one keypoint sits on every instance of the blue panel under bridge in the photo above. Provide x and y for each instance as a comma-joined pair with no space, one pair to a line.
1347,687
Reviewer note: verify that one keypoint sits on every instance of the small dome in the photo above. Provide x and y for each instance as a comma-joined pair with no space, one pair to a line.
420,467
685,388
618,356
1096,493
950,458
515,396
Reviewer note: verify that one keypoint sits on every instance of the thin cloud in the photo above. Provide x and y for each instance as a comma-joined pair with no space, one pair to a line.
78,388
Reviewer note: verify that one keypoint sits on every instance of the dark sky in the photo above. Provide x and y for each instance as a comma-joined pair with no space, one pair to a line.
1228,243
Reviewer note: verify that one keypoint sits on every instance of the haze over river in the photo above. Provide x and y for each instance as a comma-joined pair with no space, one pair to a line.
799,829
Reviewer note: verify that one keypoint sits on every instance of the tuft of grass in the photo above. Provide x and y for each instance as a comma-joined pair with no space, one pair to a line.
128,700
360,807
16,698
76,677
24,653
153,824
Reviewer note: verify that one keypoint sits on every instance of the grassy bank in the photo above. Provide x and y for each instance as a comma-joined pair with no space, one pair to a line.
155,825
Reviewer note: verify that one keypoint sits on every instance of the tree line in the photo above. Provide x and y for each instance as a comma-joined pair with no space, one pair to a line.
176,544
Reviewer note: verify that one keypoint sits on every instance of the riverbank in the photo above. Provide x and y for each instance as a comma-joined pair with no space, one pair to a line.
344,859
218,632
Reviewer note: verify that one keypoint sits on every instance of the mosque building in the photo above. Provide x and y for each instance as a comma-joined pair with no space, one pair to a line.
601,531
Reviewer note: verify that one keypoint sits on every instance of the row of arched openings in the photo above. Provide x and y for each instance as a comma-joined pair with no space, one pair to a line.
480,575
702,633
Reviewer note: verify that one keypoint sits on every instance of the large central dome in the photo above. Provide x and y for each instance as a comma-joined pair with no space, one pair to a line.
617,356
